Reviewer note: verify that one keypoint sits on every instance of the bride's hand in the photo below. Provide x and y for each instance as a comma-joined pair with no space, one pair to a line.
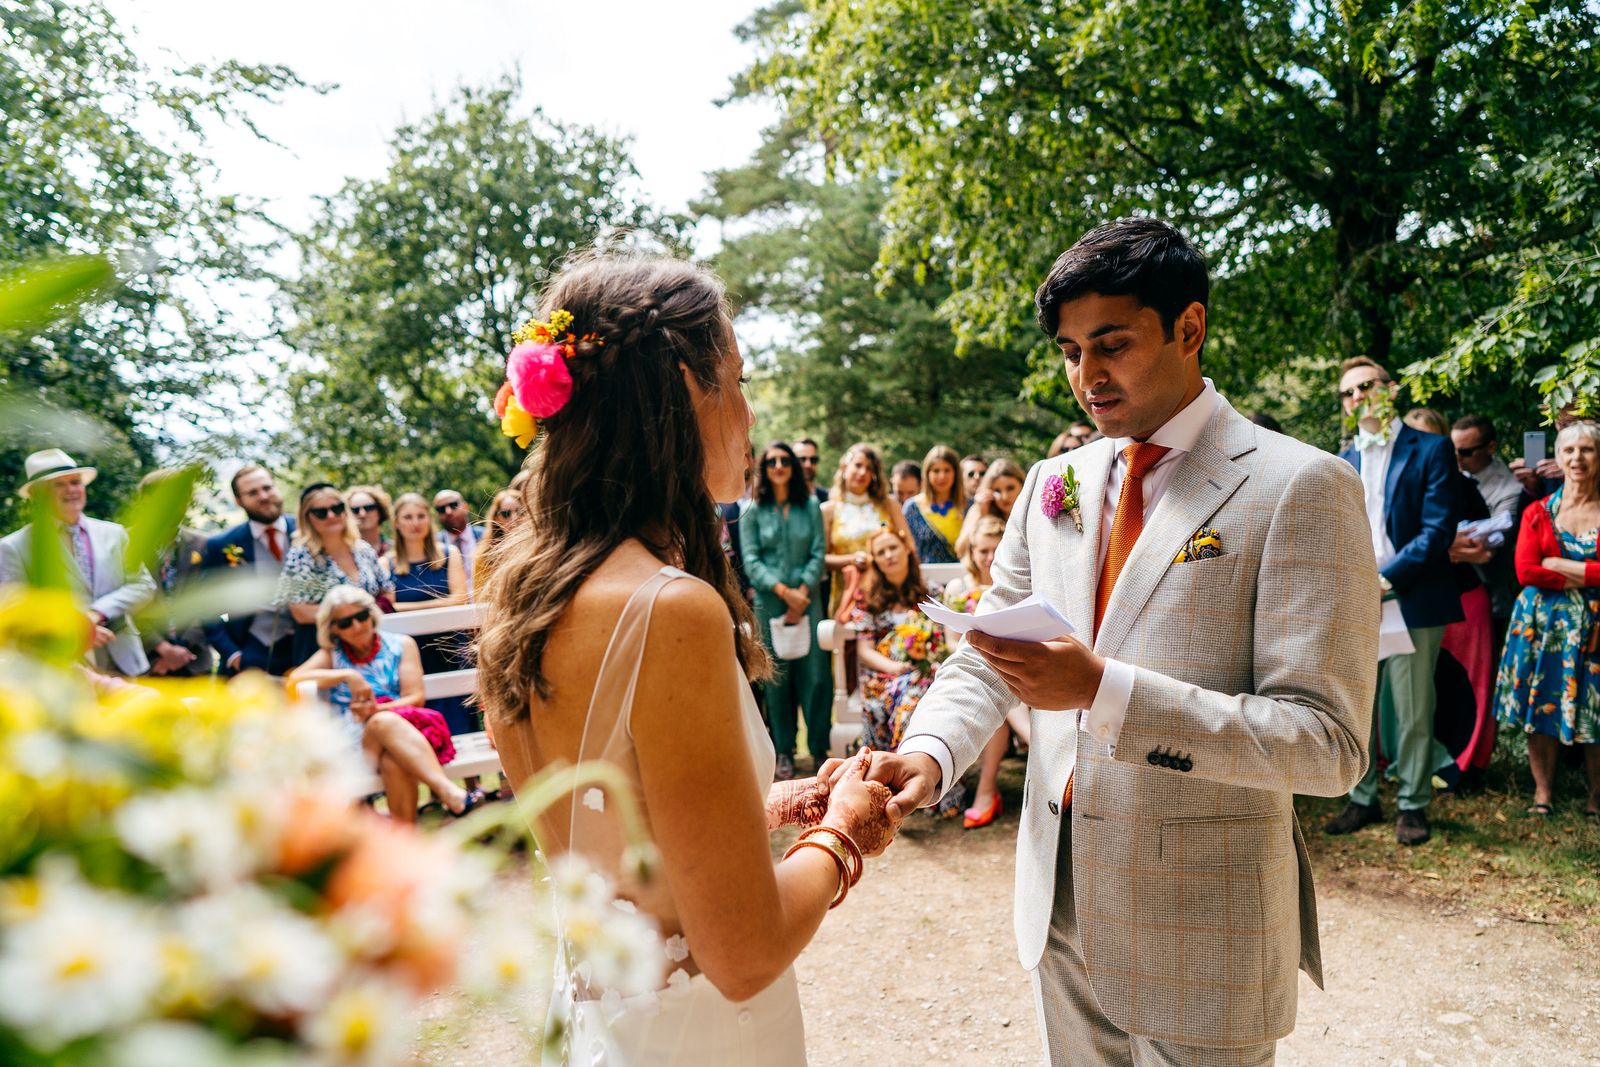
800,802
856,807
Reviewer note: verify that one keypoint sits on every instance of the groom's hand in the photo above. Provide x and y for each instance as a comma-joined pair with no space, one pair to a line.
913,776
1059,675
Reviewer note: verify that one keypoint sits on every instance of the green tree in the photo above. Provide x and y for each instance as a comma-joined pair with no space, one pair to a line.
1365,177
857,359
103,152
414,282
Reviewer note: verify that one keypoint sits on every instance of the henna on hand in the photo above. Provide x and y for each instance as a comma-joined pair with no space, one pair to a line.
858,807
799,802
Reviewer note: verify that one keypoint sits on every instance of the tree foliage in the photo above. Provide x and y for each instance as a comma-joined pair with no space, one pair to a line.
856,359
103,152
1365,177
414,282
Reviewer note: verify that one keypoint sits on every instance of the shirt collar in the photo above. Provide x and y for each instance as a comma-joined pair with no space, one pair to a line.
1382,439
259,529
1181,432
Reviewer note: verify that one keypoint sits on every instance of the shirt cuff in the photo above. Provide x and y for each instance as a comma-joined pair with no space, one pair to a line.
1110,707
935,747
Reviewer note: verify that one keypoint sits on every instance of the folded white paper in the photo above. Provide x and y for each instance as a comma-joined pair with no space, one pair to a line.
1030,619
1491,531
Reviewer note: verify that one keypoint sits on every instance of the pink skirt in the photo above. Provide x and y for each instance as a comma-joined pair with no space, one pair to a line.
429,724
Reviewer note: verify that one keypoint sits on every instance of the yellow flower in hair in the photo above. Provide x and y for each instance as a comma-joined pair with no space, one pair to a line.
560,321
518,424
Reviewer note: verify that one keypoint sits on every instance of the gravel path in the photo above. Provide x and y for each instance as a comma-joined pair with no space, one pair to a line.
920,963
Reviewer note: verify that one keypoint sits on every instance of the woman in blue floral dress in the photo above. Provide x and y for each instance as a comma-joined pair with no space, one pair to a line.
899,647
1549,678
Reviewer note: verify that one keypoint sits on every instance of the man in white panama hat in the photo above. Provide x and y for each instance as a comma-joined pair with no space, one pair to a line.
94,550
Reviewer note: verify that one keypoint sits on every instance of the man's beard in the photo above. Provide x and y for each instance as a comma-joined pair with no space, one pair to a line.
263,518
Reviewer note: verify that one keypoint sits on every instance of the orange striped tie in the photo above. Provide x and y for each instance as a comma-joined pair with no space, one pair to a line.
1126,526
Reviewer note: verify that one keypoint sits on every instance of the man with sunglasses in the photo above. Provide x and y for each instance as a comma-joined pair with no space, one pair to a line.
254,636
1410,484
805,451
457,529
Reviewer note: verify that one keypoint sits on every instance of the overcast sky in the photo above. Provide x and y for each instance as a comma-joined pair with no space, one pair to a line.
648,70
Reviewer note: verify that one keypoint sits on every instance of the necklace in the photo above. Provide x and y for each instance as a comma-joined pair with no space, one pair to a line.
943,509
855,498
361,661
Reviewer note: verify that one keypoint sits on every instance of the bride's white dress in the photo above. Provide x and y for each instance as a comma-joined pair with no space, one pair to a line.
687,1022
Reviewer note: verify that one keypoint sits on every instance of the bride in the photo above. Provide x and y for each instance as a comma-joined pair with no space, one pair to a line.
615,631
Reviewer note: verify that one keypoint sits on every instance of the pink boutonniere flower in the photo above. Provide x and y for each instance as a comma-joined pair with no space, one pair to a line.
1060,493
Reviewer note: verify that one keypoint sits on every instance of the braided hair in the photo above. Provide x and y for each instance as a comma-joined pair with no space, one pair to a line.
622,460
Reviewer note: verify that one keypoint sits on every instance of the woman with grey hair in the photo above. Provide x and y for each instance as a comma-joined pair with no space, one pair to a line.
1549,679
374,679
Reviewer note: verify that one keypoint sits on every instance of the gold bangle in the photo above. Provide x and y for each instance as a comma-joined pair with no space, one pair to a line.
857,865
839,860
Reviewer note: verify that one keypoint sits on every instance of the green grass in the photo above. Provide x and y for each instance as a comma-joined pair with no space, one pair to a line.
1487,855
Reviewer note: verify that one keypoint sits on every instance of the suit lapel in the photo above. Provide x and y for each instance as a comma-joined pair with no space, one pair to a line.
1404,446
247,543
1091,466
1204,480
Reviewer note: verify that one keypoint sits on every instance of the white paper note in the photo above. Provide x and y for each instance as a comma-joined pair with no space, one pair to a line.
1393,637
1030,619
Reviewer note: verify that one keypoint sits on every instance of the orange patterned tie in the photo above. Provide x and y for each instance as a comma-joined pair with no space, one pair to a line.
1126,526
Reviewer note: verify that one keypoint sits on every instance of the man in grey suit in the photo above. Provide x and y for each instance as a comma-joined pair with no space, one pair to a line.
1221,583
94,551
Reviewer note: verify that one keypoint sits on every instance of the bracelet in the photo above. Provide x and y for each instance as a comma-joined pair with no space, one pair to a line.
840,860
857,865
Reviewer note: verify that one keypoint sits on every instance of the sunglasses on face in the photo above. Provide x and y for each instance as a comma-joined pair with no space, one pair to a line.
777,461
445,509
808,461
322,513
350,620
1468,453
1361,388
362,509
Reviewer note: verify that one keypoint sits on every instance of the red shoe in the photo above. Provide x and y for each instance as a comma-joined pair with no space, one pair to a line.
972,818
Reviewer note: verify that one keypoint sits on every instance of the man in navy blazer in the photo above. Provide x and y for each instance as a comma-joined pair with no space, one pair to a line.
1410,485
255,637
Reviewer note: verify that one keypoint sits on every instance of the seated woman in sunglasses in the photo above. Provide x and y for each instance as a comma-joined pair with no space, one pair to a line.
328,551
374,679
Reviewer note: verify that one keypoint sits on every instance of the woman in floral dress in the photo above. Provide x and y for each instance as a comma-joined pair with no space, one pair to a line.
1549,679
899,648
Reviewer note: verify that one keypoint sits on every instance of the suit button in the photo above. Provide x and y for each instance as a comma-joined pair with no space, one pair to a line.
1186,764
1154,758
1166,761
1055,809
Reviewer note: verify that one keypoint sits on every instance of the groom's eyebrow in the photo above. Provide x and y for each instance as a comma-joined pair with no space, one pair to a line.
1099,331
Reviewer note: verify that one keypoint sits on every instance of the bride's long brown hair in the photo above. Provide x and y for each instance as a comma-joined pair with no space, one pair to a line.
622,460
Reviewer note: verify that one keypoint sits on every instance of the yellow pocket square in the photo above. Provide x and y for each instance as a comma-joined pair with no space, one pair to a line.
1204,543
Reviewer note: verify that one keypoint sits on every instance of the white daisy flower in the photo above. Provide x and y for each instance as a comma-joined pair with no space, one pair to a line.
275,959
199,838
85,962
367,1023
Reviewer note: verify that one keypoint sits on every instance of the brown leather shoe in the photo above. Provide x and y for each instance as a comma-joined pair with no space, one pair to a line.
1412,828
1352,818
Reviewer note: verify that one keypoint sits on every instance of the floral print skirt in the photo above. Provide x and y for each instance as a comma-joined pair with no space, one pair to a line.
1549,677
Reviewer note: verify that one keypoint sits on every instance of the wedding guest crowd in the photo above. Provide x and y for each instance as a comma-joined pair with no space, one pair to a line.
1489,568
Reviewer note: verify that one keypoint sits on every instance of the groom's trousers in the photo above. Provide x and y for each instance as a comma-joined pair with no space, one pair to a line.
1076,1032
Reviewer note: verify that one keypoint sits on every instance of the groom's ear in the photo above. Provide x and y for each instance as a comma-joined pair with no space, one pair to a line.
1190,329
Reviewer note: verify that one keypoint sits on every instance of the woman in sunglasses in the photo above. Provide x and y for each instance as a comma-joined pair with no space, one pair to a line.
506,511
371,507
327,551
374,679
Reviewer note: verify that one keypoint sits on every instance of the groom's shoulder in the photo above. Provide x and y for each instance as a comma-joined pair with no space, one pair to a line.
1290,460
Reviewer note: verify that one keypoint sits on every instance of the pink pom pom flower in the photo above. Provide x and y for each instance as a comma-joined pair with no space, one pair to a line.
539,377
1052,496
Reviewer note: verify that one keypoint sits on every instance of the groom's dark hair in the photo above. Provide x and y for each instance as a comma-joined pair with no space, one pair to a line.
1146,259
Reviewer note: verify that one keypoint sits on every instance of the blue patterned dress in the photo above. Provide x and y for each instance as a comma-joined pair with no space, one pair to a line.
1549,678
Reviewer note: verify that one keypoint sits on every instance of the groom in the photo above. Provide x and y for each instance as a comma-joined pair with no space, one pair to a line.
1224,596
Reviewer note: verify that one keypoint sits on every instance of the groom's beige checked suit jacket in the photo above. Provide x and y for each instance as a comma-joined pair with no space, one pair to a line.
1254,681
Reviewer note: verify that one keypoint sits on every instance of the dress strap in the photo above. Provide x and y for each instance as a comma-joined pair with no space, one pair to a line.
619,669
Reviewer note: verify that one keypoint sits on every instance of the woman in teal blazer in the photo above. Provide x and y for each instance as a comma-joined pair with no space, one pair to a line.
781,542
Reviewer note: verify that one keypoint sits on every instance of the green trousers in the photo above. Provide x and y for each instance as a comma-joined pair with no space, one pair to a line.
804,684
1403,722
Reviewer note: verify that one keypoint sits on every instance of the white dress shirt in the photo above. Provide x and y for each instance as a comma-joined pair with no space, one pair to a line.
1109,709
1374,472
1500,488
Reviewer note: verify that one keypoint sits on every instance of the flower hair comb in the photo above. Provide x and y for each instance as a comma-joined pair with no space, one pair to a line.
538,383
